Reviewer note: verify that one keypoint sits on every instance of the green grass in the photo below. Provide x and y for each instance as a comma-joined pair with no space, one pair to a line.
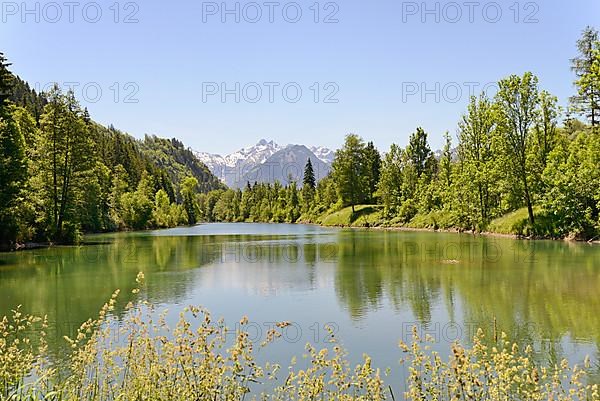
517,223
514,223
435,220
511,223
363,216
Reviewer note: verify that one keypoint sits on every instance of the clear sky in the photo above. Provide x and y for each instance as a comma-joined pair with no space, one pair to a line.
390,65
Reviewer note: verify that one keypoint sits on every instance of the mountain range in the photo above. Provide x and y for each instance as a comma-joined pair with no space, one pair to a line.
267,162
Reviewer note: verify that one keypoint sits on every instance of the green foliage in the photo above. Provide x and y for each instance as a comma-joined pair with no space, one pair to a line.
65,150
62,174
363,216
13,173
478,168
351,172
259,202
586,67
137,207
309,186
190,203
373,162
572,177
178,163
6,81
391,180
518,99
309,176
418,152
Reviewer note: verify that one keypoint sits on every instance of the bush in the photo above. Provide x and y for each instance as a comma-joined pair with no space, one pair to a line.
407,211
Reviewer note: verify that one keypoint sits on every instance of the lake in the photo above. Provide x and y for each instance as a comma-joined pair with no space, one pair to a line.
370,286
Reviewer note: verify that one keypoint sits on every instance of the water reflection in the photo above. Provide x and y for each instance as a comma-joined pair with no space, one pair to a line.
540,292
544,292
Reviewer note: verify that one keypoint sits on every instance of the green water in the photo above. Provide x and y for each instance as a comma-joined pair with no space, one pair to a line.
371,286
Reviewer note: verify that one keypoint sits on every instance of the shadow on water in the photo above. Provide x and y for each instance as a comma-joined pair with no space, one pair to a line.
534,291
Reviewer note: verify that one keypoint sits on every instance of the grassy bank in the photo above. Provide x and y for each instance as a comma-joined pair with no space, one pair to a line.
142,358
514,224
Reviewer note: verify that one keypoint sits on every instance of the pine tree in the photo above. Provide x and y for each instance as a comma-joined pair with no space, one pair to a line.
586,67
6,81
308,187
65,149
309,175
13,165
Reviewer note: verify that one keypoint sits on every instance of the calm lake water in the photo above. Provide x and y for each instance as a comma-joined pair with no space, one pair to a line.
371,286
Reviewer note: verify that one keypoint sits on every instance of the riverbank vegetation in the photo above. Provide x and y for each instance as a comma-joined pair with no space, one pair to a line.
62,174
141,357
519,165
514,168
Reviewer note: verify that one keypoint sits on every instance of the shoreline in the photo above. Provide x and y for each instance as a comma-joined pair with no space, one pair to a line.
28,246
595,241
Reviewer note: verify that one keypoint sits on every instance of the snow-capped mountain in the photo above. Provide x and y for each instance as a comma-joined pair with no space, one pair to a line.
325,154
285,166
232,169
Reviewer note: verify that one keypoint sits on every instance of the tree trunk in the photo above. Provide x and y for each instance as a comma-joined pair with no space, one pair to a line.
529,205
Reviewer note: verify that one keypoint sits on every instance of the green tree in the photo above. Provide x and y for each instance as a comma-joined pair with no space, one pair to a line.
326,195
13,165
293,203
585,66
137,207
350,172
446,161
390,182
162,210
545,127
309,175
572,177
136,210
6,81
477,152
308,187
190,204
373,161
418,151
13,173
94,206
119,187
518,99
65,150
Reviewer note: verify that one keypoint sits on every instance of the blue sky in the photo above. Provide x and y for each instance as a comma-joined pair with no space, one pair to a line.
376,60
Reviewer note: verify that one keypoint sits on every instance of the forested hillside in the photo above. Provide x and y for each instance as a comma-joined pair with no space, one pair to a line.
178,161
62,174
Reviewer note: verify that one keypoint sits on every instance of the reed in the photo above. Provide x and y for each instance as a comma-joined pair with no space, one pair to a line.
145,359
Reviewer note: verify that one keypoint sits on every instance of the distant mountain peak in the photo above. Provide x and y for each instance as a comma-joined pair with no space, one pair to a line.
264,142
233,167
